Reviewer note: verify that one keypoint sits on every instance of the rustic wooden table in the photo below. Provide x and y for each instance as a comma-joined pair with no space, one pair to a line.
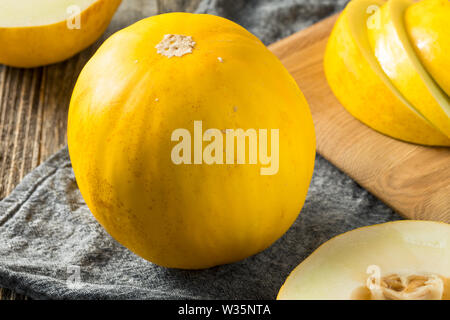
34,103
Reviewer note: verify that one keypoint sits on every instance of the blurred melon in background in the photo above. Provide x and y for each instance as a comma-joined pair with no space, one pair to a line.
40,32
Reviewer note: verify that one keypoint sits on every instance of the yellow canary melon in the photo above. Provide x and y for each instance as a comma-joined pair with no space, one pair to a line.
191,143
427,25
40,32
359,83
397,57
402,260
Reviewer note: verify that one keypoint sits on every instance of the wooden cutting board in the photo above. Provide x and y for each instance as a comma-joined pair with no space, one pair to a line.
413,180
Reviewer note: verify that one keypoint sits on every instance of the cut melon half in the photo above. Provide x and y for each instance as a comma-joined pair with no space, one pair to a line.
359,83
402,260
396,55
40,32
427,23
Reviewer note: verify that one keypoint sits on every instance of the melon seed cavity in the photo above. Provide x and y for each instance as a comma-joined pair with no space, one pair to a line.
409,287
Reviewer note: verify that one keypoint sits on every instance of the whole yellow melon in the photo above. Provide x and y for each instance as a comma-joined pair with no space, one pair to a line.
190,142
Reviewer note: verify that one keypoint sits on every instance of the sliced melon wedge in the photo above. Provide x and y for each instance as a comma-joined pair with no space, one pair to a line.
362,87
402,260
399,61
40,32
427,23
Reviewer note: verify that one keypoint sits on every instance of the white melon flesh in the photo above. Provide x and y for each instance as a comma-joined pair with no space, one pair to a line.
415,252
26,13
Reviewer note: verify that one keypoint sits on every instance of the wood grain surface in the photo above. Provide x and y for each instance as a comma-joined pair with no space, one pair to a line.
413,180
34,102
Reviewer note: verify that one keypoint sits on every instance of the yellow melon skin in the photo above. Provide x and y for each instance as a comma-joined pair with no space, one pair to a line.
127,102
427,25
396,55
359,83
339,268
31,46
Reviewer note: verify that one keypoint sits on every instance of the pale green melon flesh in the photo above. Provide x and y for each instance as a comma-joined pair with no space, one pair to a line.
26,13
339,267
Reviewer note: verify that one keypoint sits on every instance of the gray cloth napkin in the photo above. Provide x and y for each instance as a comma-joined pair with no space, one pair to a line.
52,247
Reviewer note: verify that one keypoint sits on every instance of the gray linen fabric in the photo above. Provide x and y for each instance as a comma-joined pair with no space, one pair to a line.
52,247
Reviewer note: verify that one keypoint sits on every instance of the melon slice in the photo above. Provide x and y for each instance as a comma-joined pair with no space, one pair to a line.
40,32
402,260
397,57
362,87
427,23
